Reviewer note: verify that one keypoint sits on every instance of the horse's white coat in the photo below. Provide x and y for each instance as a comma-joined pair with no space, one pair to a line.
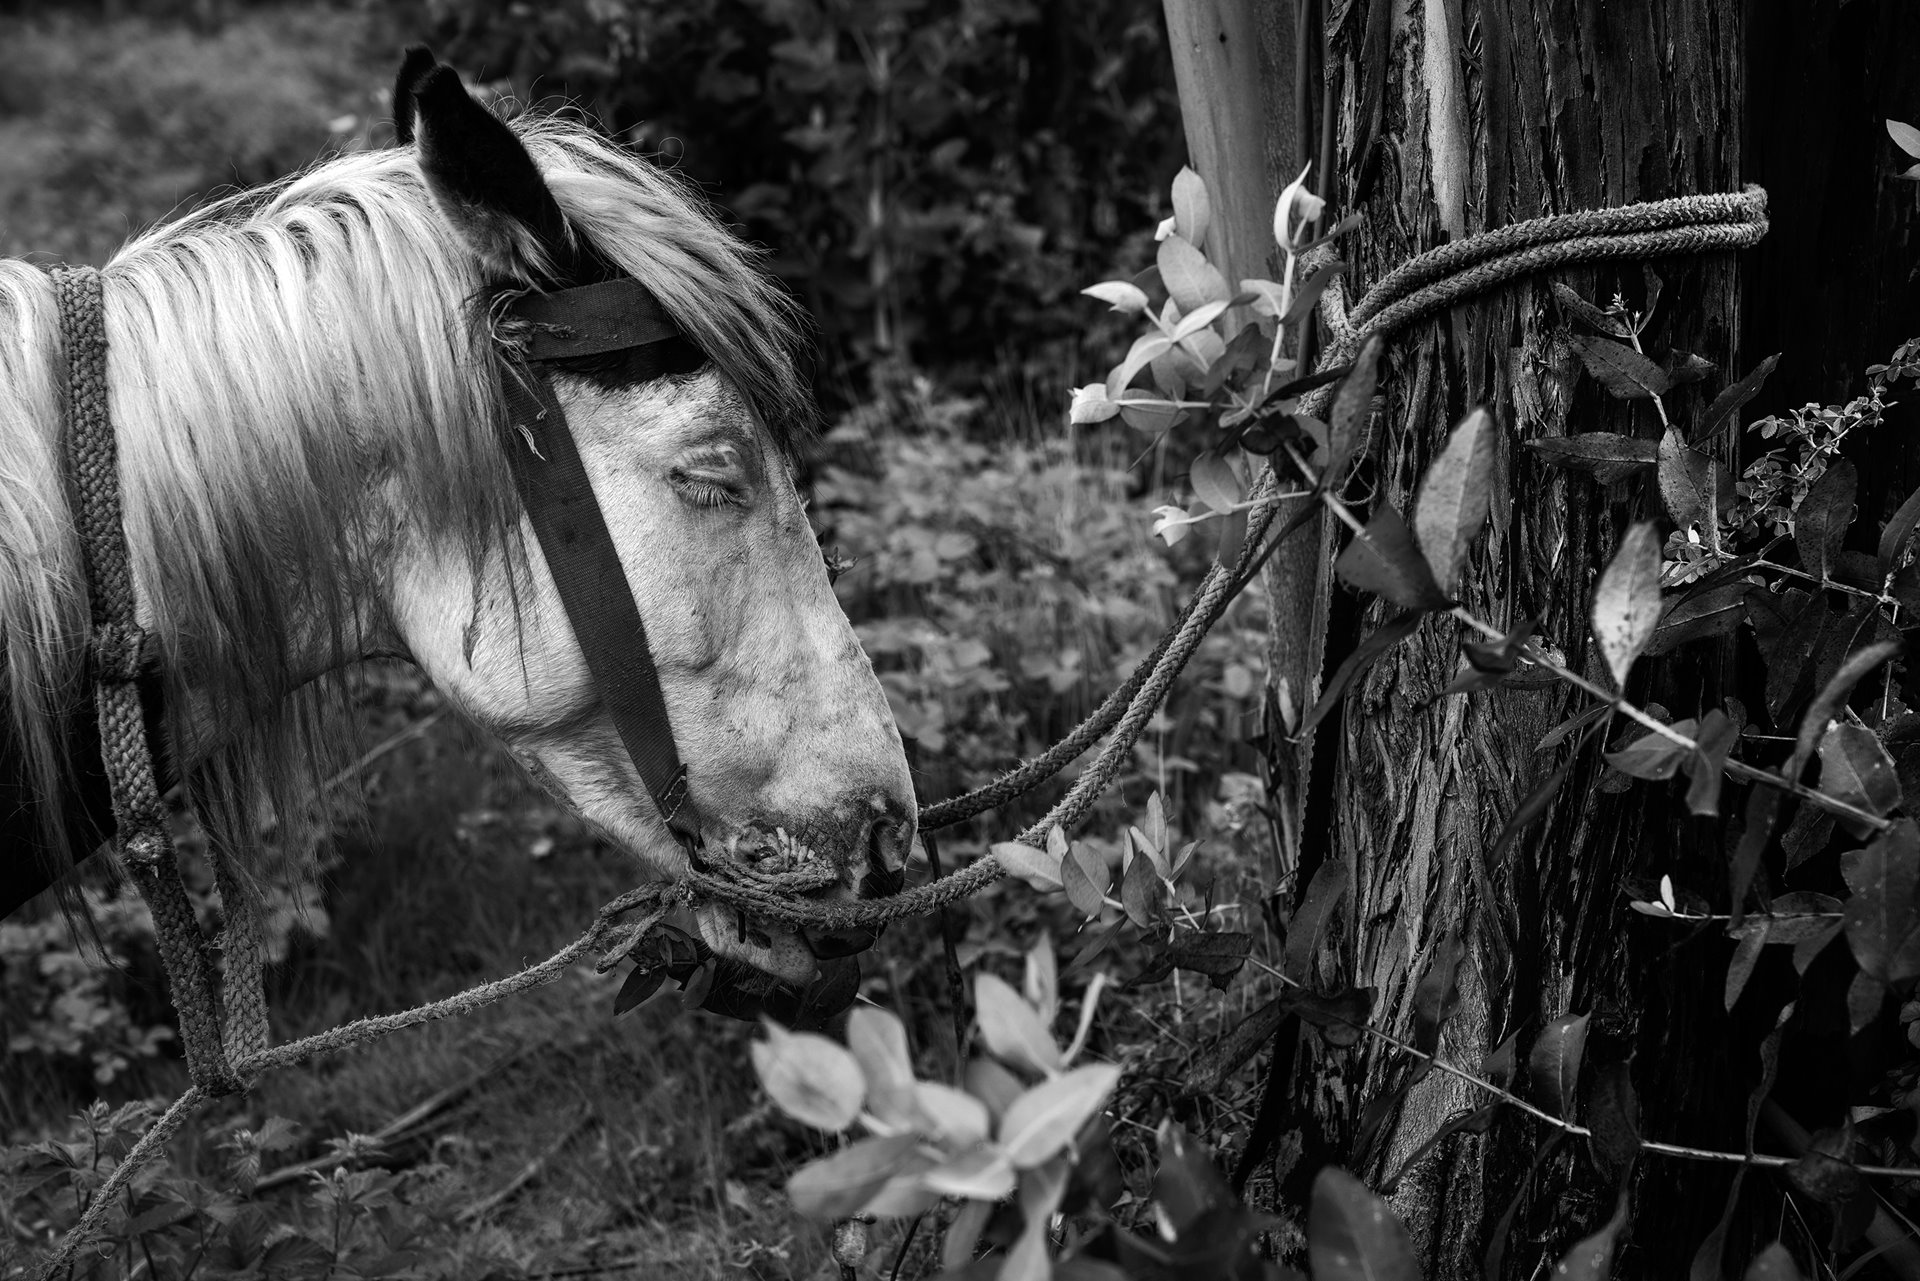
308,428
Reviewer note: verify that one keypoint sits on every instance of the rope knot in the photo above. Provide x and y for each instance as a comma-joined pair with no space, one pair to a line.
119,651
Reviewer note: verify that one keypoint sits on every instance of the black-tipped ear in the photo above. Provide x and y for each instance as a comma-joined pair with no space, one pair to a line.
488,186
419,61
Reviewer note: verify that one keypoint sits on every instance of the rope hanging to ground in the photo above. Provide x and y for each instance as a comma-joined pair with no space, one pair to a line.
1419,288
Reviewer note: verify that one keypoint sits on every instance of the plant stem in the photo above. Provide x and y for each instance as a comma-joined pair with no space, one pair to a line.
1559,1123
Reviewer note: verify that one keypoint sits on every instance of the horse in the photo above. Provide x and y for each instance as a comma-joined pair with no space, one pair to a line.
306,386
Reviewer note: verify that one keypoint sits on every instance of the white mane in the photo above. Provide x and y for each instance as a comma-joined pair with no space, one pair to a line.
271,357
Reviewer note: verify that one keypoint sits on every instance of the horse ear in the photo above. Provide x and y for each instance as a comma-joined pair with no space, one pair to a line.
486,184
419,61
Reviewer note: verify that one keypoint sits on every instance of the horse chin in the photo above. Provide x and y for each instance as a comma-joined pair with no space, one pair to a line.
779,953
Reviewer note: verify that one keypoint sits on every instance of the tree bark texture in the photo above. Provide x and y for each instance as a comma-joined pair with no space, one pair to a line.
1457,116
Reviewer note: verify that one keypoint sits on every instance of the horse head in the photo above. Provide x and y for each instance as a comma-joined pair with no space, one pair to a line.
310,386
790,750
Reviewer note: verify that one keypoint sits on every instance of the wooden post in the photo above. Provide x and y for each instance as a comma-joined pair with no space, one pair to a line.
1234,64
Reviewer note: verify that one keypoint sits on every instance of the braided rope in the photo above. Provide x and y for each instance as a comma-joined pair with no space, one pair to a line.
1634,228
140,818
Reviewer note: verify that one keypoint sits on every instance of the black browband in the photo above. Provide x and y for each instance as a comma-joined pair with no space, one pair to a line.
560,503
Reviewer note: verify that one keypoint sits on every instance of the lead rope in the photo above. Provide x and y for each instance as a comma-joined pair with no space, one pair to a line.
1419,288
141,833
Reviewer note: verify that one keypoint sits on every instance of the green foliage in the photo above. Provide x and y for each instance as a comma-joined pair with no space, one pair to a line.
934,176
337,1222
1002,589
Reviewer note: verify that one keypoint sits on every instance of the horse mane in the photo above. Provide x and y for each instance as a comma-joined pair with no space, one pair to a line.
272,356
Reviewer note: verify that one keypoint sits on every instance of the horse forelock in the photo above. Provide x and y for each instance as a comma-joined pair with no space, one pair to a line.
273,356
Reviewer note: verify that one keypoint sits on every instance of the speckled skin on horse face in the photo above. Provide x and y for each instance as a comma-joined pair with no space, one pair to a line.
789,744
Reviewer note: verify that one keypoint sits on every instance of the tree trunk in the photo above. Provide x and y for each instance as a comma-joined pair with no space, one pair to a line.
1490,112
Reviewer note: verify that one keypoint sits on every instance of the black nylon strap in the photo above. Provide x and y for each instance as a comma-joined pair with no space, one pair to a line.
579,550
591,319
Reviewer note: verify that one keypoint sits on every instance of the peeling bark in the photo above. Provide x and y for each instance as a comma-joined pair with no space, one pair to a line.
1527,107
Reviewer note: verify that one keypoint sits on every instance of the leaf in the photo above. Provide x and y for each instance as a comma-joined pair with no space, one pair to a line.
1438,991
1607,455
1626,604
1310,920
1620,369
1490,663
1690,485
640,984
1893,539
1686,367
1763,810
1905,136
1716,736
1308,293
1774,1263
1575,305
1865,997
1554,1064
981,1172
1215,482
1187,1184
1856,769
1832,697
1191,280
1196,320
1592,1259
1880,914
1715,611
1192,208
1011,1028
1340,1016
878,1042
1352,406
1529,812
1746,954
837,1185
963,1234
1613,1114
1043,1121
1218,954
1453,498
1820,523
1733,399
1651,756
1146,349
1384,561
1085,877
1036,867
1041,985
1353,1235
810,1078
1384,638
1123,295
954,1118
1140,890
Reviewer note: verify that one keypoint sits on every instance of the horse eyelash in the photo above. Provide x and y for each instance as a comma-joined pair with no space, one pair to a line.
706,493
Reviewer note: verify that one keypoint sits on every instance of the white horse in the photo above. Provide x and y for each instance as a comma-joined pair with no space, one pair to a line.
305,385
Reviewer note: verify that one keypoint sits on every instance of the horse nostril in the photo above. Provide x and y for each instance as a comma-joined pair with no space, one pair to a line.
888,836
